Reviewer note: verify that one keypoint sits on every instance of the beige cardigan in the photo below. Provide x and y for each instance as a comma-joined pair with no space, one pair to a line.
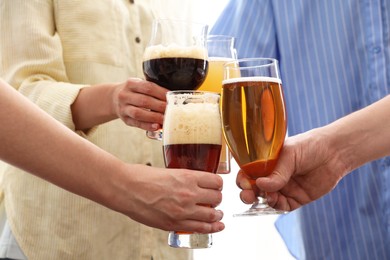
49,50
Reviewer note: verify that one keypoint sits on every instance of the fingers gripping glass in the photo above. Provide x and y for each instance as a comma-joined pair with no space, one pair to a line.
254,120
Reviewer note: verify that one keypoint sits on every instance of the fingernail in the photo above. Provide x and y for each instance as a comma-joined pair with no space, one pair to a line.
155,126
245,184
221,227
220,214
245,202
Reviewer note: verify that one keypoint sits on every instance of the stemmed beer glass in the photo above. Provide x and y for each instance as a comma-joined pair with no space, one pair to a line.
192,140
254,120
176,57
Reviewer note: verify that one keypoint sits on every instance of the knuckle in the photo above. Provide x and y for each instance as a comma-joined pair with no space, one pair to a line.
177,213
148,89
134,112
170,224
122,95
220,181
132,122
187,197
122,111
132,83
143,102
219,198
213,216
203,228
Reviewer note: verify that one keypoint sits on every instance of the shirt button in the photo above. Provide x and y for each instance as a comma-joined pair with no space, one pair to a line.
376,49
131,1
137,39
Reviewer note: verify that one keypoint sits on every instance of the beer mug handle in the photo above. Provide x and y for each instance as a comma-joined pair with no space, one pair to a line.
156,135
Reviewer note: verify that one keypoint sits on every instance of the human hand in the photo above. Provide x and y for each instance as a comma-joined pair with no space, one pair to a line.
172,199
307,169
140,103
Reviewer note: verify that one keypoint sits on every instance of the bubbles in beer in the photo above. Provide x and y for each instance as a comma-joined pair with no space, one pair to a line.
251,79
174,51
194,122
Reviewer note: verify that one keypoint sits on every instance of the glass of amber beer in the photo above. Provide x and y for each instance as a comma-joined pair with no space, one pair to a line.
220,50
176,57
192,140
254,120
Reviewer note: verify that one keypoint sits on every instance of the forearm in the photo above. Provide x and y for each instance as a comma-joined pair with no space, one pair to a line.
93,106
33,141
362,136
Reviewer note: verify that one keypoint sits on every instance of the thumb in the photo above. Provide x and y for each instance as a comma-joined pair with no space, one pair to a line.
273,182
279,176
242,181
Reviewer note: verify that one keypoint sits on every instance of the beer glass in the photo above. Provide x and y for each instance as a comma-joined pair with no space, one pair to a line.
176,57
254,120
220,50
192,140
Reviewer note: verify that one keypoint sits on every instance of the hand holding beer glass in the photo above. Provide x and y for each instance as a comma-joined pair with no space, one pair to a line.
176,57
254,121
220,50
192,140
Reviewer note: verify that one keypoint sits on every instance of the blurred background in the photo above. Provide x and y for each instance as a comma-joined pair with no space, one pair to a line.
243,237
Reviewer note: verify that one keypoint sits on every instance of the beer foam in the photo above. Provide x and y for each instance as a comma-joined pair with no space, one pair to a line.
174,51
192,123
252,79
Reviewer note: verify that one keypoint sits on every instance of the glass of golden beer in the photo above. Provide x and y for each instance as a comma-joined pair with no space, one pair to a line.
192,140
220,50
254,120
176,57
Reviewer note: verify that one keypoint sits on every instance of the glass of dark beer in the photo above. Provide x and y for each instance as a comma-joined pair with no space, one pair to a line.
176,57
192,140
254,120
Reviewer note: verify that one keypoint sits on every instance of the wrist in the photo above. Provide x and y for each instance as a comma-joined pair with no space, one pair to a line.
123,188
344,142
114,100
93,106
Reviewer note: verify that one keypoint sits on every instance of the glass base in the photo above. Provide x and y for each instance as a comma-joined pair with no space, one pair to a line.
157,135
223,168
260,209
224,159
193,240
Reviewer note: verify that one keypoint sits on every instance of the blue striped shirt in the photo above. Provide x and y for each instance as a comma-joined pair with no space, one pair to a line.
334,59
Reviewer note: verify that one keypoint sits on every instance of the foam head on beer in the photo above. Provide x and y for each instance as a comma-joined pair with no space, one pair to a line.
174,51
190,119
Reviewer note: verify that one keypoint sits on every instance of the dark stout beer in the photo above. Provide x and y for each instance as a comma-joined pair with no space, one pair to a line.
254,121
176,73
175,68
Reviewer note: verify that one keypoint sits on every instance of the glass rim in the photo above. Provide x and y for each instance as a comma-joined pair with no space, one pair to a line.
220,37
229,63
189,91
